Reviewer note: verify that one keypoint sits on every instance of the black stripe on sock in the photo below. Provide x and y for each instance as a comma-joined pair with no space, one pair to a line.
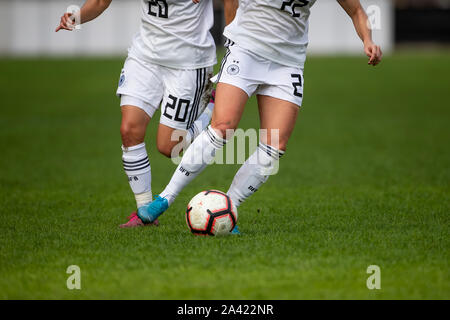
214,140
264,149
211,138
136,169
271,151
135,162
135,165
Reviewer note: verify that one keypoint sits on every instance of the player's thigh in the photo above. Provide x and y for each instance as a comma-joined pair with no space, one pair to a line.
186,94
229,105
238,78
278,118
134,116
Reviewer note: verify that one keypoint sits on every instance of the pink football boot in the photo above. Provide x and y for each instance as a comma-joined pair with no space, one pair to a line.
135,221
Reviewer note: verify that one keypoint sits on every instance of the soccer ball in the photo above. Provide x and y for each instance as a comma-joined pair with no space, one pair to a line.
211,213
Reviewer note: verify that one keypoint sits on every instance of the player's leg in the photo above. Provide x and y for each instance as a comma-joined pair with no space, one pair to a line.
171,143
168,138
232,93
279,100
134,154
139,101
278,119
230,103
186,108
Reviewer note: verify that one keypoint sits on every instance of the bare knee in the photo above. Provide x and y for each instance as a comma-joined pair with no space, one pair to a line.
132,133
165,149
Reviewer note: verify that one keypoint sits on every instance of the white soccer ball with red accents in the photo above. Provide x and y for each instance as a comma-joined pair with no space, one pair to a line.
211,212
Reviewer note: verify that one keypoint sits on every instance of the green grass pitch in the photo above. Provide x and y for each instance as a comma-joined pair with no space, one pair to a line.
365,181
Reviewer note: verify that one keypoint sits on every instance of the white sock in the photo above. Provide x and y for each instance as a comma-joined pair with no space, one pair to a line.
200,124
199,154
137,168
253,173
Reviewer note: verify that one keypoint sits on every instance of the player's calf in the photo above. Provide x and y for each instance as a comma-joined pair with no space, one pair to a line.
254,173
167,139
137,168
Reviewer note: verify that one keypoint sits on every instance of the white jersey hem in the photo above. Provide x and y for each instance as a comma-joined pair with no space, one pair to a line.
134,52
255,48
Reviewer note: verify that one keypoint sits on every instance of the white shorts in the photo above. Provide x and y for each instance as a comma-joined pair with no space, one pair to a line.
182,94
259,76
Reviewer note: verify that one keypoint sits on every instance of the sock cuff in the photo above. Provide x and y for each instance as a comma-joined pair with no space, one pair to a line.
135,159
276,154
133,148
217,141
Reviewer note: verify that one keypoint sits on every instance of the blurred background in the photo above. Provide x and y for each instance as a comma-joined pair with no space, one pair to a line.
27,27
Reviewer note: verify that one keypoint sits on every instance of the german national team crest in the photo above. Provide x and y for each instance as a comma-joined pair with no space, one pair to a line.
122,79
233,69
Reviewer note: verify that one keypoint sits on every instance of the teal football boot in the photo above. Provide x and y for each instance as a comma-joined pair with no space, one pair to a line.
153,210
235,230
